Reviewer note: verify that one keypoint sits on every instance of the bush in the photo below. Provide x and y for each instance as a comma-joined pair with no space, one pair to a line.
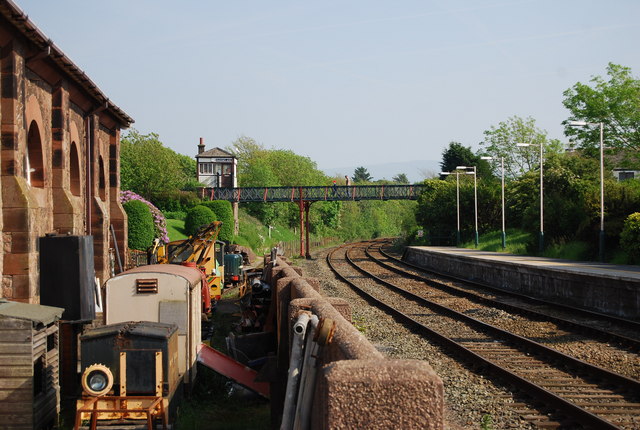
159,221
175,215
197,217
224,212
630,236
176,200
141,226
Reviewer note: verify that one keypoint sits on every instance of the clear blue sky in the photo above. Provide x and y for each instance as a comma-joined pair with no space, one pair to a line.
345,83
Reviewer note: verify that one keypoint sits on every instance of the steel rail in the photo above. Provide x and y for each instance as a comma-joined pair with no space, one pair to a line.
574,412
584,329
630,324
532,345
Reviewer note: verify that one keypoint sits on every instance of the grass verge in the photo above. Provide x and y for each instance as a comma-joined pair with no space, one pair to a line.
517,242
175,228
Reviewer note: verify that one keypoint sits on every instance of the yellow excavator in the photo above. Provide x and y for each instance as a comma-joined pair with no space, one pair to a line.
202,250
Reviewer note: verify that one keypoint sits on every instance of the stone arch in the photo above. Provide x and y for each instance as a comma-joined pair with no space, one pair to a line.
33,158
102,183
34,166
75,182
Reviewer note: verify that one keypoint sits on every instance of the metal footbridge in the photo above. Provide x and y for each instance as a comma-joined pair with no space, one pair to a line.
305,196
314,194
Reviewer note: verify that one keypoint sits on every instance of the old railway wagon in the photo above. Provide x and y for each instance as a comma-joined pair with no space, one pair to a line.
29,389
165,293
130,373
138,365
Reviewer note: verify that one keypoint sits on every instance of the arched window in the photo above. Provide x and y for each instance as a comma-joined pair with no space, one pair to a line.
33,165
102,188
74,170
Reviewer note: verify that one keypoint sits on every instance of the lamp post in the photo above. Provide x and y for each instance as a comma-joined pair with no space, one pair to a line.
457,204
601,235
475,195
504,233
541,238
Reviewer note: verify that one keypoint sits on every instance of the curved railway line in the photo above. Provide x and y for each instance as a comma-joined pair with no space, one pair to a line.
572,371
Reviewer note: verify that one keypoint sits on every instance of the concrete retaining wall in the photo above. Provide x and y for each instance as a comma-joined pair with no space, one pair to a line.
599,289
356,385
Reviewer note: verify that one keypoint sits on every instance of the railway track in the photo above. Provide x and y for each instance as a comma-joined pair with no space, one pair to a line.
560,319
624,326
566,391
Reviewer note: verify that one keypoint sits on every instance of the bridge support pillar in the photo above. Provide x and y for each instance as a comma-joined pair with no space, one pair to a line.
236,219
304,206
301,206
307,205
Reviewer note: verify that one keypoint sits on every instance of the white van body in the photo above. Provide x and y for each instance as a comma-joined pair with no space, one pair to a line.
164,293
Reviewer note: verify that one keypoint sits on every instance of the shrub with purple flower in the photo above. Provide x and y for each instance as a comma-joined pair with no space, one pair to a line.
159,220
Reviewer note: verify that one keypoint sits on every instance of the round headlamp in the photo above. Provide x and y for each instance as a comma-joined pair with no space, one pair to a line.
97,380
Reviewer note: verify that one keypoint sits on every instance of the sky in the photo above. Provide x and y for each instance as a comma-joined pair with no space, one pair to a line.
346,83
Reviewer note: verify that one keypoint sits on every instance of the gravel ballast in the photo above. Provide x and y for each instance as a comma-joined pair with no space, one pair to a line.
470,399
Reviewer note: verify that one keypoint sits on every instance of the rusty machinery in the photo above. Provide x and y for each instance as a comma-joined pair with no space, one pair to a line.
129,374
201,250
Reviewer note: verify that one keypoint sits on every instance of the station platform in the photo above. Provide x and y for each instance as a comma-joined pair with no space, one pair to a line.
601,287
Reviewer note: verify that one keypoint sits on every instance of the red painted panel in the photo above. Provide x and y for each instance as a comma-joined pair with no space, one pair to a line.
227,366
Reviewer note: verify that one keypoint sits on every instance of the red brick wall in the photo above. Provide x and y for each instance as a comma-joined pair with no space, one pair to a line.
59,190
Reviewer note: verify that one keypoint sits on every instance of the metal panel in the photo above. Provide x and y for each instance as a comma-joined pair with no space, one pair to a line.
174,312
230,368
141,371
67,275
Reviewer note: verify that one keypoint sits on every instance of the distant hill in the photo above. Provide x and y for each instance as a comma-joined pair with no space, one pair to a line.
416,171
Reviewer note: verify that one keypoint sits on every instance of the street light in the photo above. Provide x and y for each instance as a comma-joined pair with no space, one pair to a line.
504,234
457,204
601,236
475,194
541,239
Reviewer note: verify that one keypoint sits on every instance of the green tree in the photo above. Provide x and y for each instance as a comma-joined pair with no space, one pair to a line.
621,198
500,142
261,167
400,178
458,155
614,102
570,191
437,210
630,236
189,167
147,167
299,170
361,174
245,149
329,213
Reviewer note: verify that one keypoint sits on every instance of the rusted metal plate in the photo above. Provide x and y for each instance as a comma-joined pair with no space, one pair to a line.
226,366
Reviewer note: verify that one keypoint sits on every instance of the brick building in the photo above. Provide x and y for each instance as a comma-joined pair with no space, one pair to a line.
59,156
